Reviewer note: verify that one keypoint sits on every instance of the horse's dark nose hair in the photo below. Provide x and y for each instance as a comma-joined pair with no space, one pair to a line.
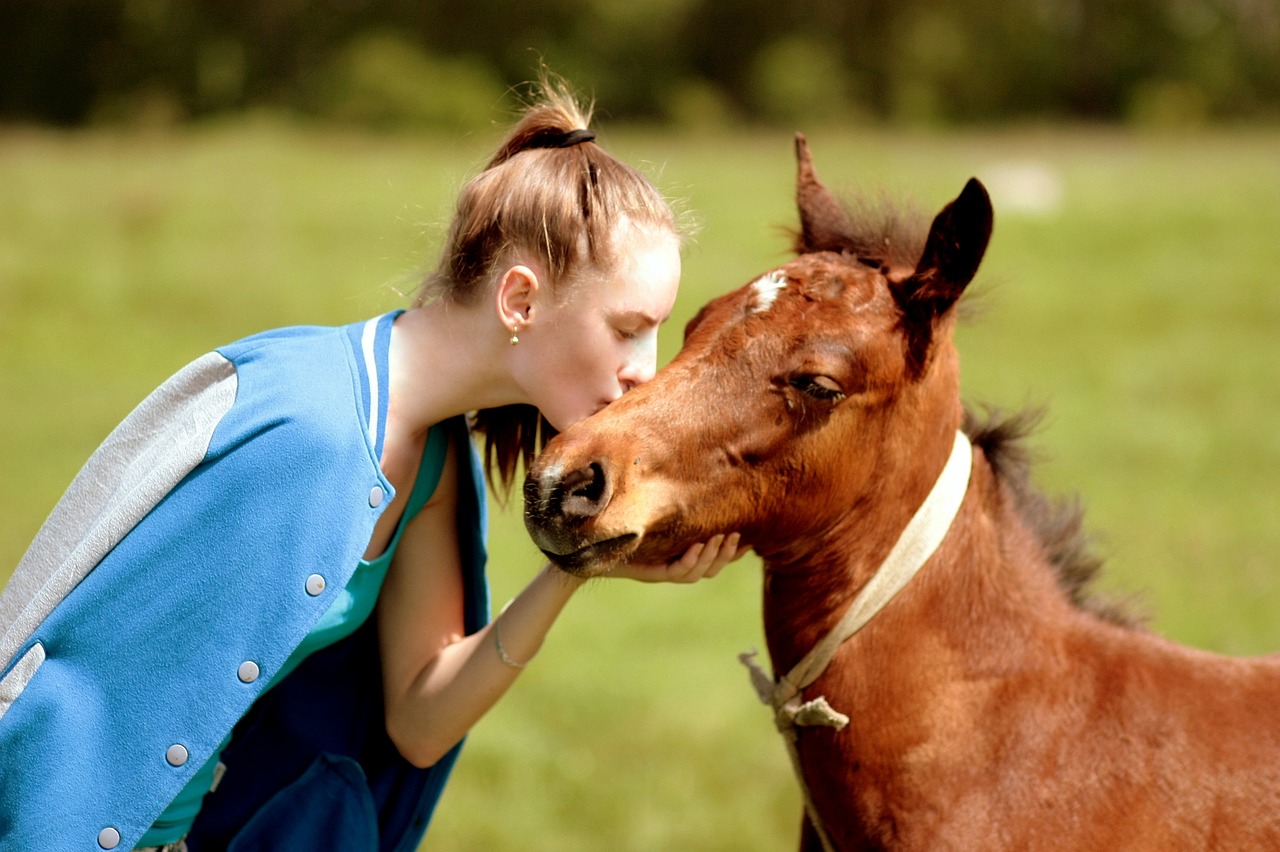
577,495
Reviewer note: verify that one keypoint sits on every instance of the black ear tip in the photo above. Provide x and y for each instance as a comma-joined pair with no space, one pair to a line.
975,192
976,204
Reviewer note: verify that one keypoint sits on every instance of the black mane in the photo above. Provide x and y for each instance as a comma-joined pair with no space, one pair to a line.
876,231
1059,524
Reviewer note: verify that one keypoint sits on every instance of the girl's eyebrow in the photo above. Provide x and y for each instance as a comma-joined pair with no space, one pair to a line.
638,316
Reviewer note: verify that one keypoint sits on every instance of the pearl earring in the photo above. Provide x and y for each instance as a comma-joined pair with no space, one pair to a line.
515,333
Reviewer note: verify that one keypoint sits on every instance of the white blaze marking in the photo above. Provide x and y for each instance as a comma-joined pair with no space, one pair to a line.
766,289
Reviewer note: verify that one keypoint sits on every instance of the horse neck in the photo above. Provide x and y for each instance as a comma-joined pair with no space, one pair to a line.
806,593
985,606
811,579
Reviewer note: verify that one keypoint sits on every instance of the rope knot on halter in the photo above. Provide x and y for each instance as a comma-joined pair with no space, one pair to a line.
921,537
789,711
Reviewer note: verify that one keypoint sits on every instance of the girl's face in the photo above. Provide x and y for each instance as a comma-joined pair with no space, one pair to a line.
601,340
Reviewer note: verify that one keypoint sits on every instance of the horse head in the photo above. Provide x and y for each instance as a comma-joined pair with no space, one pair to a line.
795,399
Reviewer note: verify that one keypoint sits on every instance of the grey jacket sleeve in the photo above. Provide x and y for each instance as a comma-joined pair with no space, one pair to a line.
149,453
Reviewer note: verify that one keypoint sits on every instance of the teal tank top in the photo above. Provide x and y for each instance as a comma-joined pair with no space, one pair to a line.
351,608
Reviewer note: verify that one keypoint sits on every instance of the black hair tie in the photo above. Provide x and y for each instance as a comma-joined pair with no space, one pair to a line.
563,140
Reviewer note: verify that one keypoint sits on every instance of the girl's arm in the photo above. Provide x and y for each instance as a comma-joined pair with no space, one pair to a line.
437,681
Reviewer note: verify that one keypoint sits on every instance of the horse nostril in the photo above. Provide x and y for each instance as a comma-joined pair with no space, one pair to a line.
585,492
592,484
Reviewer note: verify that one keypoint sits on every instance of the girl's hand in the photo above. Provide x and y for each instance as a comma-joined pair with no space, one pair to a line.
700,562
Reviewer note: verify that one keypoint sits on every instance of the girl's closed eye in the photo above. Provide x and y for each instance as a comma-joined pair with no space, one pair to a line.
632,325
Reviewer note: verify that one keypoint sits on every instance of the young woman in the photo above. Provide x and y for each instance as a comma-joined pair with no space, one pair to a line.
217,563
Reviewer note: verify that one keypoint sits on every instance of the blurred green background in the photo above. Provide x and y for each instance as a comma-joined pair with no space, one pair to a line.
696,63
176,175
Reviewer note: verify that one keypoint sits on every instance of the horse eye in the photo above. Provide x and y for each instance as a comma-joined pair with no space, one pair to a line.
824,388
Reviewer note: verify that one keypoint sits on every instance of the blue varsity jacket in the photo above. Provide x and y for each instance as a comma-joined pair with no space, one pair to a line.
186,561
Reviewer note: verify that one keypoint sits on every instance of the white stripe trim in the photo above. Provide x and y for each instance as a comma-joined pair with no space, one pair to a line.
18,678
367,340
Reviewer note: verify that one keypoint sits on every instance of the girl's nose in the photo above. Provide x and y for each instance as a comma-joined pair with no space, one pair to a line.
641,365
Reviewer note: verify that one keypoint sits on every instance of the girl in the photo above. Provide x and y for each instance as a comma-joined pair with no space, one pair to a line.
190,656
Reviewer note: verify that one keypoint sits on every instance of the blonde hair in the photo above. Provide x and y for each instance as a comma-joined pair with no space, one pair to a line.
549,190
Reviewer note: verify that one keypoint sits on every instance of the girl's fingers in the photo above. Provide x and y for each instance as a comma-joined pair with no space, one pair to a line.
701,561
694,555
718,552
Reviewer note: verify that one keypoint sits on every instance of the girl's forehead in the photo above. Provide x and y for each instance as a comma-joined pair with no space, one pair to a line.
645,278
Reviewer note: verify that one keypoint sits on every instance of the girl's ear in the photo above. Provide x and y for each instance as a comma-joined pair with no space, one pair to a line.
517,291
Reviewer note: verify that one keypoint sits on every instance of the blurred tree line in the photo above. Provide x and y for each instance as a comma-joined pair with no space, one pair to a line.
427,63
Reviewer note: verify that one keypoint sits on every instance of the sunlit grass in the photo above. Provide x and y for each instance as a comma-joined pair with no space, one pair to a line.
1141,308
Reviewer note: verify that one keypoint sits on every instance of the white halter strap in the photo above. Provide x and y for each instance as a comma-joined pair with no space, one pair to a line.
923,533
921,537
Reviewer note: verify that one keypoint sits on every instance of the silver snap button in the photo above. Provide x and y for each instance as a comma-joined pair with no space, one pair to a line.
375,497
248,671
176,754
108,838
315,585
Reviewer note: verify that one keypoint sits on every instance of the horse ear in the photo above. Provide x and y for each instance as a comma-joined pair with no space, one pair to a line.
823,224
952,252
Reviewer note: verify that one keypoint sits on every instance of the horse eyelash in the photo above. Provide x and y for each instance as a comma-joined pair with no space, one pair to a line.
807,385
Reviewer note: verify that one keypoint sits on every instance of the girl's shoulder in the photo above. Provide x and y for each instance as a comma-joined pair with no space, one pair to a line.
300,381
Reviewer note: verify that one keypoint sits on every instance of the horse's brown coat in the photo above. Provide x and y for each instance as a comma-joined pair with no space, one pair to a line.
990,710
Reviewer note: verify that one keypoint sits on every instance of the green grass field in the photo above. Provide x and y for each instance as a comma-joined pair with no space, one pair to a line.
1132,288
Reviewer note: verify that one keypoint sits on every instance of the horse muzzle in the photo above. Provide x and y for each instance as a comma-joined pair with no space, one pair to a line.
562,511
